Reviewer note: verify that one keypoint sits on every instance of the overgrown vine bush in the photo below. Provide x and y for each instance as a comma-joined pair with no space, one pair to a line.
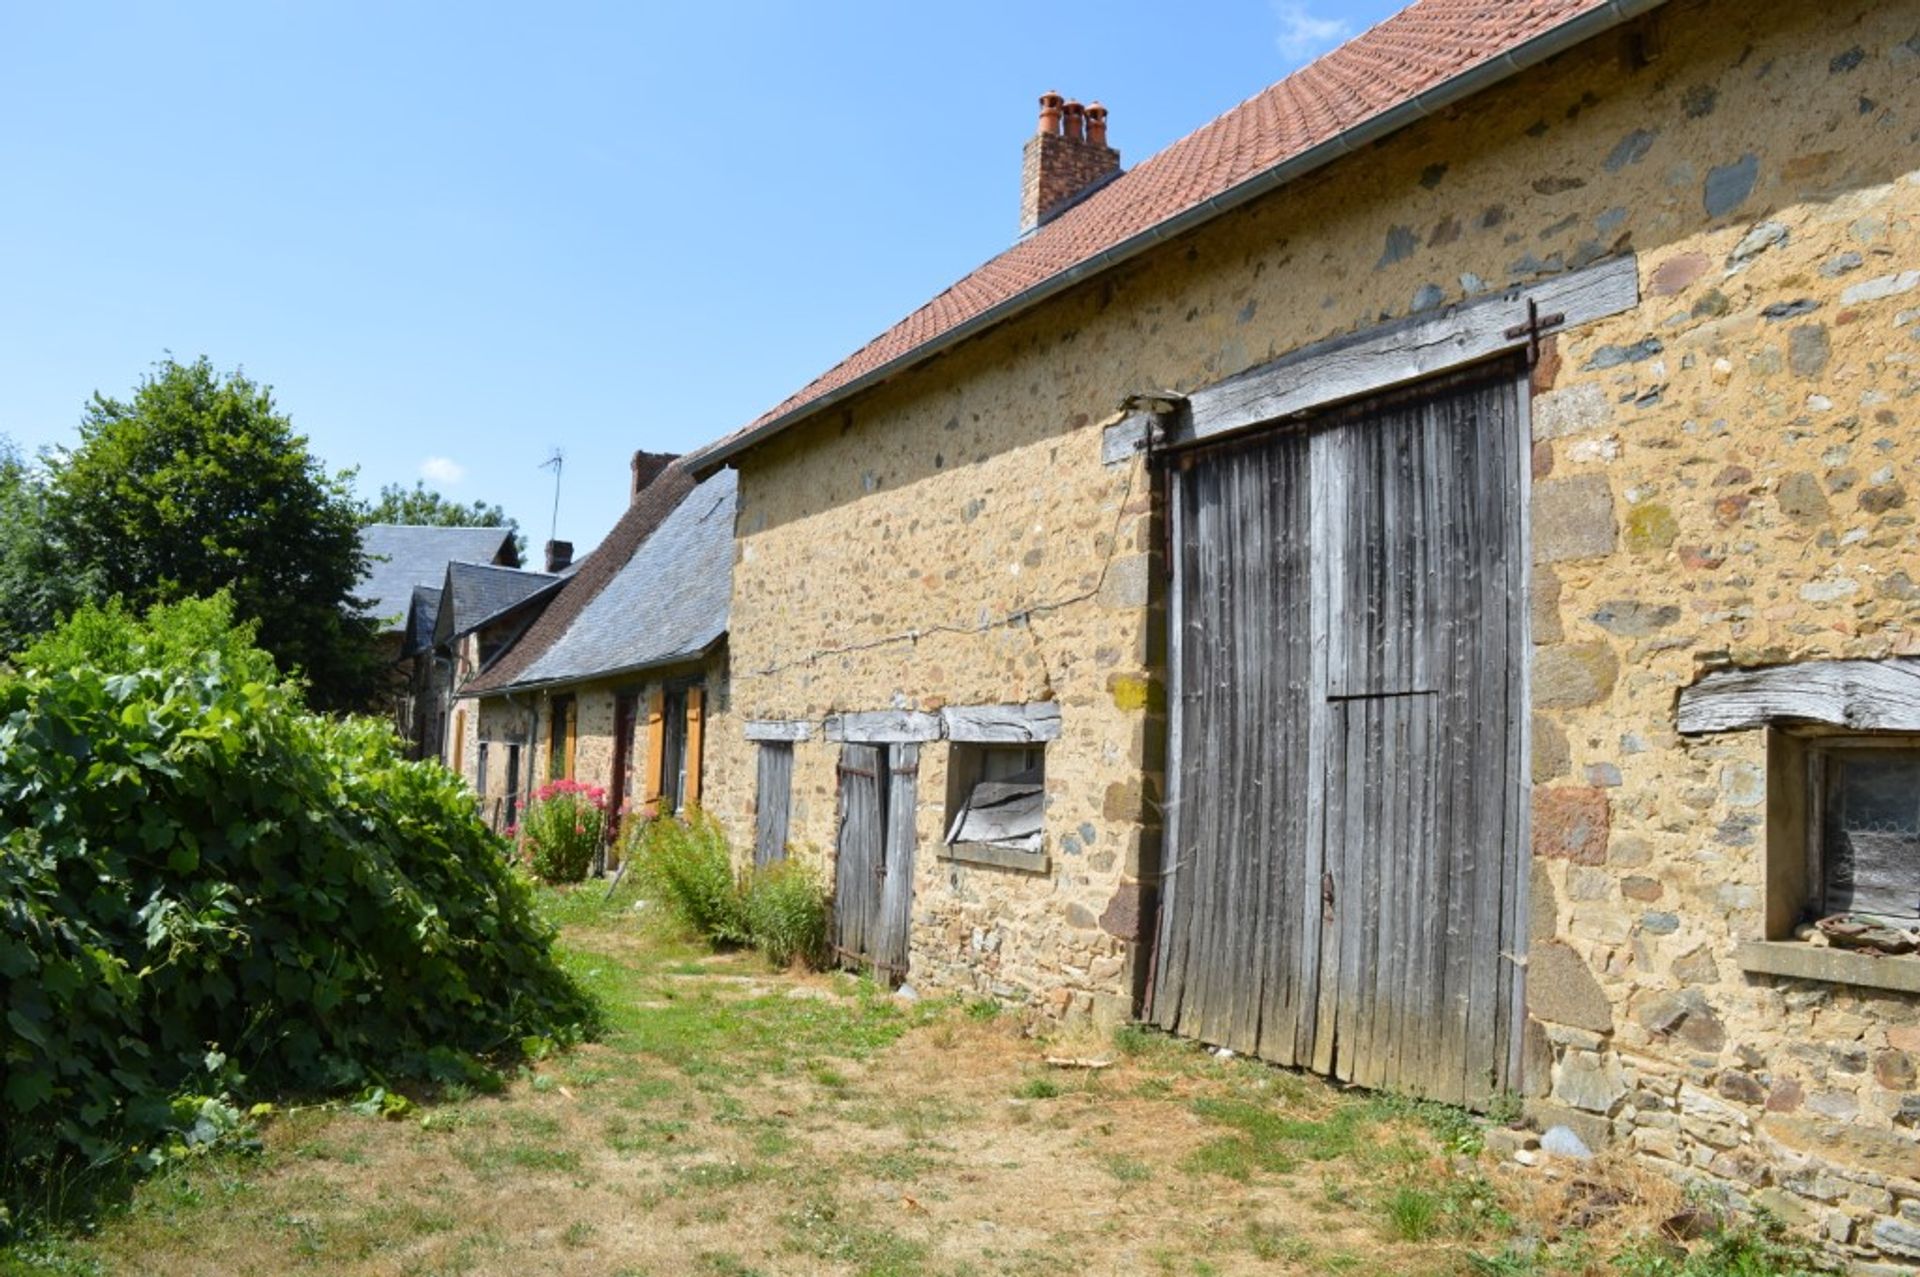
562,829
207,890
686,865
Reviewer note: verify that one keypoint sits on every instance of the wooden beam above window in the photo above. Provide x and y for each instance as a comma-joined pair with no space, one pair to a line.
1873,696
1002,724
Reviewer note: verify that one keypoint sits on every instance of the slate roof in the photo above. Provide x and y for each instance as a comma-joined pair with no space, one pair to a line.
421,618
475,593
401,556
668,603
591,574
1409,54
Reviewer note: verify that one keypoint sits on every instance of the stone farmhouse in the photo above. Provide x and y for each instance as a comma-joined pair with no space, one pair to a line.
1416,580
622,679
406,569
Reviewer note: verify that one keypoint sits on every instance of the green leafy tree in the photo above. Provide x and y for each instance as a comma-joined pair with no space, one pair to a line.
37,586
199,484
421,506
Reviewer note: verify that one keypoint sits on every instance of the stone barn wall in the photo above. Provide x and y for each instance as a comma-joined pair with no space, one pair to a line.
1722,475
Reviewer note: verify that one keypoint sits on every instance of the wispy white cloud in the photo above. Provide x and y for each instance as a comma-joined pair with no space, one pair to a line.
1303,33
442,470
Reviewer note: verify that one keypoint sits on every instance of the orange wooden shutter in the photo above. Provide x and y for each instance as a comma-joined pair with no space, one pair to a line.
656,743
459,741
696,725
573,732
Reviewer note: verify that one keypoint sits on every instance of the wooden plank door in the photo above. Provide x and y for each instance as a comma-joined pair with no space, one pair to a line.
1421,555
859,851
1240,920
1348,833
772,803
873,861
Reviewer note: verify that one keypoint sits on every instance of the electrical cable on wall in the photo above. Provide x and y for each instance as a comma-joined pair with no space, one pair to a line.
1010,620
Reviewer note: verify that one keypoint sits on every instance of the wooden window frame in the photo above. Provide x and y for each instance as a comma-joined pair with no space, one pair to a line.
1795,870
967,764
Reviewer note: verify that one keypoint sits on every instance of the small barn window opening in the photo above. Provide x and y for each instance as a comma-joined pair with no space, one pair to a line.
1865,835
1842,813
1843,854
996,803
480,772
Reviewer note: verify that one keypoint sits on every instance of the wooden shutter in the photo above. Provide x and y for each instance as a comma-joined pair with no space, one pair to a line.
696,733
859,851
573,732
895,920
656,741
459,740
772,801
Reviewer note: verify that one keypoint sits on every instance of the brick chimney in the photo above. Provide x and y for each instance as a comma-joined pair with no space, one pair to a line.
646,468
1066,157
559,556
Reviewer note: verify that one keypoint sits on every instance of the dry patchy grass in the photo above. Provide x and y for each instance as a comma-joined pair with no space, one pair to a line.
737,1121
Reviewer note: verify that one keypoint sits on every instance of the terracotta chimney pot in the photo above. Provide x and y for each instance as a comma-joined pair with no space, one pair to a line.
1050,112
1096,124
1074,121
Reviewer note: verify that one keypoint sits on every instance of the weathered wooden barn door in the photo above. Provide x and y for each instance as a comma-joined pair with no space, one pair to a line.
873,862
1348,849
859,851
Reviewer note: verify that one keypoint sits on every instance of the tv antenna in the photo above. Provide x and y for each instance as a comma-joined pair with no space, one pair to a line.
557,462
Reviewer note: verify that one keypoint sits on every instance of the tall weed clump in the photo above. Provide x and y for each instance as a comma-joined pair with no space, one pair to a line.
206,889
686,864
786,913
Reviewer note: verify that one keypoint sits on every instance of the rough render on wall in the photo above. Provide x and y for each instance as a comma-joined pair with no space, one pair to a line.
1724,474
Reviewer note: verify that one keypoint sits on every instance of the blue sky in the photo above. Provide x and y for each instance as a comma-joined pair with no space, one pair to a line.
453,238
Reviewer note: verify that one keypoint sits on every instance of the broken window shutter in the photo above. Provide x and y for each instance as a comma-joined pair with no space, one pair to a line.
656,742
696,706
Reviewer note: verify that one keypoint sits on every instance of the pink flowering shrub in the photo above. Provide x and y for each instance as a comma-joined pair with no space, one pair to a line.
561,829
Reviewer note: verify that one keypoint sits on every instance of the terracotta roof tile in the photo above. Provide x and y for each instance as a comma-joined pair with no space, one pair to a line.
1410,53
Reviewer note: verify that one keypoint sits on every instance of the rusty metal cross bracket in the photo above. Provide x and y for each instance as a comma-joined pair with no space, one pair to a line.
1535,325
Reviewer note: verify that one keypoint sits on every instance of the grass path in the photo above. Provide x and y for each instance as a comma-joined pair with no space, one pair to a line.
735,1121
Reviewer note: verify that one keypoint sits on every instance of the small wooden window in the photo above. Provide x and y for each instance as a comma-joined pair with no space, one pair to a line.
997,797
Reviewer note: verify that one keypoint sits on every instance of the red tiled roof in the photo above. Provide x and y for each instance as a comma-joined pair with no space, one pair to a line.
1410,53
